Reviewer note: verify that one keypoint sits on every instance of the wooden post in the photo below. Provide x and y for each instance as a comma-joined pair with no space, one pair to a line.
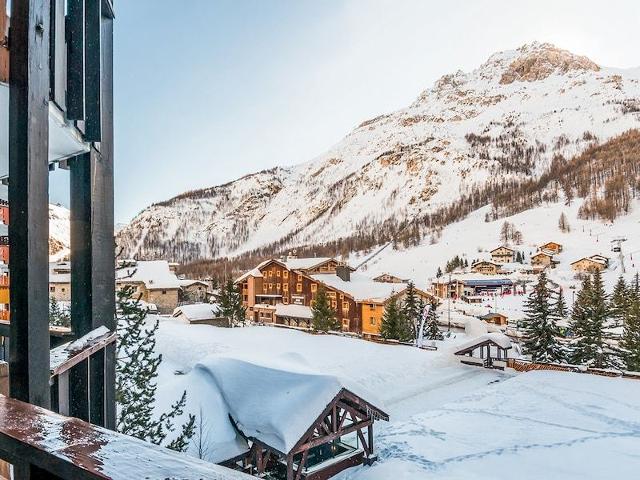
75,59
29,198
370,437
290,467
92,70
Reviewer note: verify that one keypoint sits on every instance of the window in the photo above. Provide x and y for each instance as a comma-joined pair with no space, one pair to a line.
372,320
285,287
345,323
285,300
264,288
270,273
271,286
334,304
285,274
164,292
345,305
299,277
277,273
314,287
298,287
63,289
245,298
372,306
52,289
278,287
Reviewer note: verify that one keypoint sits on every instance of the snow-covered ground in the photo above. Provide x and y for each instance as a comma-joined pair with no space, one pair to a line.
447,420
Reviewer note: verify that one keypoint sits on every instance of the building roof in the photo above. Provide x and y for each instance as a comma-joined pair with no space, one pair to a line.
361,287
294,311
187,282
275,401
155,274
496,338
254,272
304,263
490,282
594,258
480,262
544,253
502,246
64,276
492,315
198,311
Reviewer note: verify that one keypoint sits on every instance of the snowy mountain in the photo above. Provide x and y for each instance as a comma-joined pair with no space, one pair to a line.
504,121
59,232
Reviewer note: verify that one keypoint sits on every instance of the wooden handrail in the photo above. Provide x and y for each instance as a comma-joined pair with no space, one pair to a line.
69,448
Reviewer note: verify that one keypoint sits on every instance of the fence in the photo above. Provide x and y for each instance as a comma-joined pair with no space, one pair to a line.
527,366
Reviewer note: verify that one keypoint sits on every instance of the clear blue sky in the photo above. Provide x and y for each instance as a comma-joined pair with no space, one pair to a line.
209,90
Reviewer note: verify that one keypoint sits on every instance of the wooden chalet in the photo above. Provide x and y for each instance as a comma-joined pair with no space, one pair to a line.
502,254
486,268
553,247
388,278
489,351
297,424
590,264
276,290
542,260
495,318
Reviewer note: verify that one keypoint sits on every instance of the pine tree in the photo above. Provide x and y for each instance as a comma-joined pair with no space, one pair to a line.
563,223
411,309
620,302
432,331
541,330
137,371
230,303
58,316
561,309
589,321
392,320
630,343
439,273
323,316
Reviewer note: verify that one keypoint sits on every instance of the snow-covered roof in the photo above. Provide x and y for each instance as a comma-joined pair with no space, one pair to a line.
186,282
497,338
502,247
470,277
361,287
59,272
255,272
197,311
155,274
292,310
304,263
273,401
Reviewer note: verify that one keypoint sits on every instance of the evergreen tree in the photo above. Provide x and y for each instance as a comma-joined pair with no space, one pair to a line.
620,302
58,316
631,337
432,331
323,316
439,273
411,310
561,309
393,321
541,330
563,223
137,371
230,303
589,321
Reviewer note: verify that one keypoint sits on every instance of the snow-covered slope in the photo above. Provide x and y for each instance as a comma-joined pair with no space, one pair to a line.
506,119
59,232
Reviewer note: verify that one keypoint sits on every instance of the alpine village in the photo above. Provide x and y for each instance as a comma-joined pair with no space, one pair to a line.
452,286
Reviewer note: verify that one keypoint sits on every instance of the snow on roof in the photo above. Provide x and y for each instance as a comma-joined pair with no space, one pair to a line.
292,310
197,311
273,401
361,287
186,282
500,339
304,263
251,273
492,282
59,272
500,247
155,274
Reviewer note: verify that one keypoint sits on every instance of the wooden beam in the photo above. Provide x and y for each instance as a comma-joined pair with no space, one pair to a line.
93,70
75,59
301,465
29,198
333,436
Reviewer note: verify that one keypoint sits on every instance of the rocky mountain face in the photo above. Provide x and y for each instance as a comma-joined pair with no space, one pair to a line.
506,120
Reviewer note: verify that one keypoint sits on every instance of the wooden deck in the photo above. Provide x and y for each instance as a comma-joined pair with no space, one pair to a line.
72,449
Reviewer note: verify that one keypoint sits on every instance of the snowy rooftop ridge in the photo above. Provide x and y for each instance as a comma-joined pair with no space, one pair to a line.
361,287
155,274
274,401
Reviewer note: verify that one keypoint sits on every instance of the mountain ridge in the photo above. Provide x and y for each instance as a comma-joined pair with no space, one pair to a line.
507,118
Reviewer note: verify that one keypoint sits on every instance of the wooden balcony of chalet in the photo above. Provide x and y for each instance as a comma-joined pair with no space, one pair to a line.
57,392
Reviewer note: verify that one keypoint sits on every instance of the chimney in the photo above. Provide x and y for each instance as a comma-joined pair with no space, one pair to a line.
344,272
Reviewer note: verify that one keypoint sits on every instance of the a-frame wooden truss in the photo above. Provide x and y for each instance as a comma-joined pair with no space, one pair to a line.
345,414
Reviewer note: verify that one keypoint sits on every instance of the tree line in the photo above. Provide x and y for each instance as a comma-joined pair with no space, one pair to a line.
592,337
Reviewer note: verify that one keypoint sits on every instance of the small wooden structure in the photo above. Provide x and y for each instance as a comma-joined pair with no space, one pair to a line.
489,351
320,452
554,247
502,254
495,318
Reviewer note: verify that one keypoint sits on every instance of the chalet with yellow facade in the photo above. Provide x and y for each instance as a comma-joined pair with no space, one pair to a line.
590,264
60,281
552,247
542,260
282,291
154,281
485,267
502,254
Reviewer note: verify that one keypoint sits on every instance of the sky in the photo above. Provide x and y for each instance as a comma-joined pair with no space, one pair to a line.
209,90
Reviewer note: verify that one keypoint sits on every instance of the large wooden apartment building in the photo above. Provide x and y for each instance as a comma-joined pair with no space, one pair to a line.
282,291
